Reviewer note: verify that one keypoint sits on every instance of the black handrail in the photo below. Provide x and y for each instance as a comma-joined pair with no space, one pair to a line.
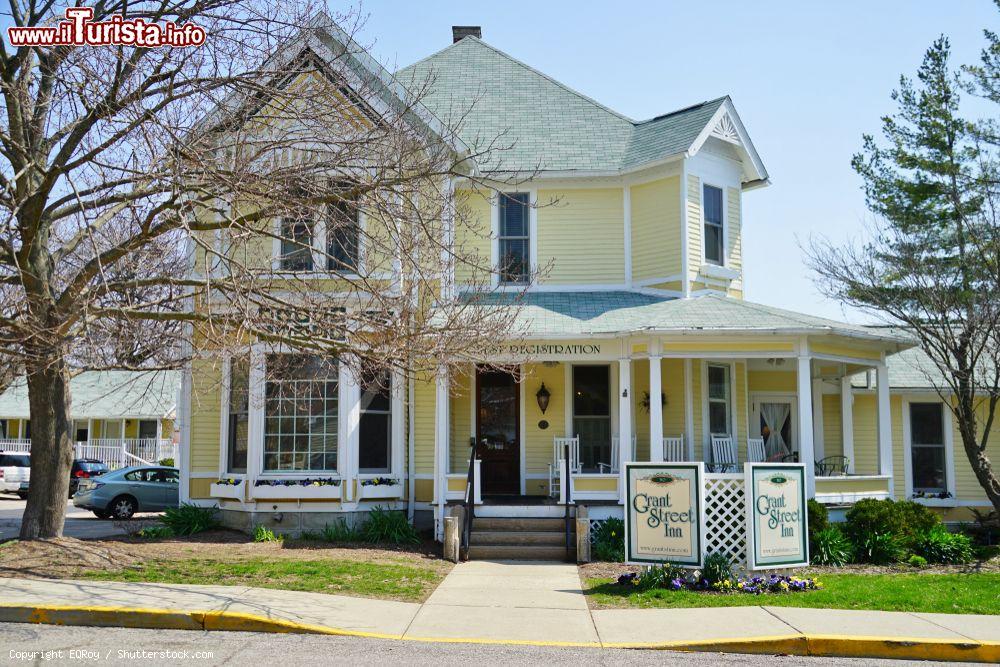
568,485
470,498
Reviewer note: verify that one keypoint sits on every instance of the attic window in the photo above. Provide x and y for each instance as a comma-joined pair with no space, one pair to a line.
713,225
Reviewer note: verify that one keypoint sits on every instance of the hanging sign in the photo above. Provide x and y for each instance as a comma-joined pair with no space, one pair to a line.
777,530
664,513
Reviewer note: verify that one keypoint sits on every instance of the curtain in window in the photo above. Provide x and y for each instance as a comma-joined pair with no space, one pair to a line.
774,416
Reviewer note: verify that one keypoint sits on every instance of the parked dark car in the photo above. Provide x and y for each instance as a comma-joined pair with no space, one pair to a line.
121,493
85,469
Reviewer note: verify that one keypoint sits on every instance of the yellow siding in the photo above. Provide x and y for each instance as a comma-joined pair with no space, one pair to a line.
832,431
700,450
206,377
423,429
640,385
734,252
740,426
538,442
582,235
656,233
967,487
473,243
780,381
834,349
462,397
865,434
199,488
694,224
673,387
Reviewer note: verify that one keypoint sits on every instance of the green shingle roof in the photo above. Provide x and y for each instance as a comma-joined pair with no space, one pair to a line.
547,125
107,395
560,314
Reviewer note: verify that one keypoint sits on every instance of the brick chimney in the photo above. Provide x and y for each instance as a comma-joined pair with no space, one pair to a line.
460,31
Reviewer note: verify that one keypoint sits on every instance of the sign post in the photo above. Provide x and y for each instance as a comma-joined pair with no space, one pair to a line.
664,514
777,516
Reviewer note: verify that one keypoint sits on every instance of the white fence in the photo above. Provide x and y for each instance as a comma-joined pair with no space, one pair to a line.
115,452
725,517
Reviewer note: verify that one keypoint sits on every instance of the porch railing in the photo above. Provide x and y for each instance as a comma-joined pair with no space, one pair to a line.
114,452
470,502
567,485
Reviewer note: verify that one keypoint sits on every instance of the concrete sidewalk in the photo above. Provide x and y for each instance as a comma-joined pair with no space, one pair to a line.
511,603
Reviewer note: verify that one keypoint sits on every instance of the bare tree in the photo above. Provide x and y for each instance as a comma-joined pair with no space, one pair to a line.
933,262
145,192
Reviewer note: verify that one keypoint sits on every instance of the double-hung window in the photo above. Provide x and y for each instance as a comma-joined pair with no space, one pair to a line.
515,238
714,236
719,400
342,236
300,414
239,415
927,448
296,245
374,440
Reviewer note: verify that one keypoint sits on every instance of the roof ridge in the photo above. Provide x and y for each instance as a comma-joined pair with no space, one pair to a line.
529,68
802,318
690,107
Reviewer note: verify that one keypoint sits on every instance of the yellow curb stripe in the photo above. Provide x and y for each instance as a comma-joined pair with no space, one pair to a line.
800,644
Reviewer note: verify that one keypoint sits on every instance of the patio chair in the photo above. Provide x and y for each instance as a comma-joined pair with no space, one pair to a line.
558,453
673,449
755,450
724,457
832,466
612,467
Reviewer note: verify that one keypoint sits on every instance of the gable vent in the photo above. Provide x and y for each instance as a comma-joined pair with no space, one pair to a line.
460,31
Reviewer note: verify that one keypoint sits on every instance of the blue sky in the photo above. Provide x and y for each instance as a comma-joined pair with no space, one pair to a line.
807,78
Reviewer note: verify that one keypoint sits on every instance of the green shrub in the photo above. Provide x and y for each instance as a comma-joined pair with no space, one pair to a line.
169,462
262,533
906,521
819,517
339,531
389,527
189,519
717,568
608,541
156,532
878,549
831,547
917,561
938,545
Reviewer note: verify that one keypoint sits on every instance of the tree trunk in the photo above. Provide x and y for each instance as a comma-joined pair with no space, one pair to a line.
51,447
983,467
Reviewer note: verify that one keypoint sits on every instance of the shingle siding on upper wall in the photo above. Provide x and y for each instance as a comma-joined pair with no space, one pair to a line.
694,224
583,236
656,232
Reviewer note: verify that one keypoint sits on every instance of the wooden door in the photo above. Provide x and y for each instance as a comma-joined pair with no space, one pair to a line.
498,443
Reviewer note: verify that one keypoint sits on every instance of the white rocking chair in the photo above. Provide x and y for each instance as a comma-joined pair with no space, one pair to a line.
755,450
612,468
558,453
673,449
724,456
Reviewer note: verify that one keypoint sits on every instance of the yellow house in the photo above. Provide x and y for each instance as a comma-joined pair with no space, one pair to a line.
637,343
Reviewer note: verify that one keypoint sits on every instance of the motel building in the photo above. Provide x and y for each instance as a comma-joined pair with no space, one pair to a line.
638,345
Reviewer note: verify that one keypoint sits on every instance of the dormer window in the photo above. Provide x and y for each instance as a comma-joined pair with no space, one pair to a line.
515,240
714,236
342,235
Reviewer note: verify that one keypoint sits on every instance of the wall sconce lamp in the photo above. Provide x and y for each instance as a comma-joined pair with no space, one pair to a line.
543,396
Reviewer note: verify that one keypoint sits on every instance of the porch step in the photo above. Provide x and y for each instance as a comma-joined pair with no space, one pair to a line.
517,552
517,538
518,524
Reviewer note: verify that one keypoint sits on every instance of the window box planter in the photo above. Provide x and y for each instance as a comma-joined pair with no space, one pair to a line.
393,489
296,491
230,491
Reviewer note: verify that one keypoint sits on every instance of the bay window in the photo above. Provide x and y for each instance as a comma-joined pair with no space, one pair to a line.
239,415
374,439
300,414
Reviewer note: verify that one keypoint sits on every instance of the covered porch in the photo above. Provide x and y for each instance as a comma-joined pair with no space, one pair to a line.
541,412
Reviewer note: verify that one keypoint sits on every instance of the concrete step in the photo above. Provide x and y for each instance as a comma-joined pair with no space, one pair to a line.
517,524
521,538
518,552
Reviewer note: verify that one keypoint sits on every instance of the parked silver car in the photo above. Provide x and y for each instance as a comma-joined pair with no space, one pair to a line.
15,472
121,493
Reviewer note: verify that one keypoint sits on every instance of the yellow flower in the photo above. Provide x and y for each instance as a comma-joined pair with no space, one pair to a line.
614,534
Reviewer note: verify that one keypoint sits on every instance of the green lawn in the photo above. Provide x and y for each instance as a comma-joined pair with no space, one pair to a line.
348,577
940,593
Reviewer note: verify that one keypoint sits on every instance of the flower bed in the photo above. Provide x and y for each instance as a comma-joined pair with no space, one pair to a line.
380,487
328,487
673,578
230,487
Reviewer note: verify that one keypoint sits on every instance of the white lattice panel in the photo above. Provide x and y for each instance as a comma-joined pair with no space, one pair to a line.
725,517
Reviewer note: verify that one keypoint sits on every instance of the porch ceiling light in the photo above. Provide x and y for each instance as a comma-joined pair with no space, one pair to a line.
542,396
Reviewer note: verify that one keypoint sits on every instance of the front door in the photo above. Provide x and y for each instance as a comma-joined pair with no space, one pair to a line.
498,445
776,426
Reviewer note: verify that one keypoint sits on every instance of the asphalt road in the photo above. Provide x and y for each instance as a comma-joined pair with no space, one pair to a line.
48,644
79,523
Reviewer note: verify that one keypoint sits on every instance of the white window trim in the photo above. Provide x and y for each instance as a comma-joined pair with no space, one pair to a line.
758,397
725,226
706,439
949,452
495,237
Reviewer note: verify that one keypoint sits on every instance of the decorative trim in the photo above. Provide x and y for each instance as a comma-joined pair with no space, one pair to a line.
726,130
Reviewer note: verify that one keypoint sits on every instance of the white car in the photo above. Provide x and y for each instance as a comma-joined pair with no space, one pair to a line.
15,471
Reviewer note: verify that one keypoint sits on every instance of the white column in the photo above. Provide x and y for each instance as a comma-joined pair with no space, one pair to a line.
347,453
624,422
847,420
655,409
817,396
689,409
806,453
441,429
397,388
255,423
884,424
